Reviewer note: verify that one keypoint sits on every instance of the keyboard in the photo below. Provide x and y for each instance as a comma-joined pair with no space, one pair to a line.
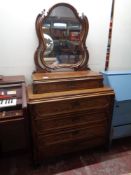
7,102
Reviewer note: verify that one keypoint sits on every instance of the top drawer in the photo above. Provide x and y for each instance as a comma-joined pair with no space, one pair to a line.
42,87
64,81
68,105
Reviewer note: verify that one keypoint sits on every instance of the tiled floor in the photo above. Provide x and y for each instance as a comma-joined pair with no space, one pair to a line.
117,161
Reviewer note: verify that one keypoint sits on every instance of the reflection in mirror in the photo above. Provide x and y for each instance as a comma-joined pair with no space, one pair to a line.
49,44
62,37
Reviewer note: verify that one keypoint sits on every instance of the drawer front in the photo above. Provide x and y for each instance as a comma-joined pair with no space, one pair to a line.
62,148
122,113
40,87
121,131
68,135
69,120
63,106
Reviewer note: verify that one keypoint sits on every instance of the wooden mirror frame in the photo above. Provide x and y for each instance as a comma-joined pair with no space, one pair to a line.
41,65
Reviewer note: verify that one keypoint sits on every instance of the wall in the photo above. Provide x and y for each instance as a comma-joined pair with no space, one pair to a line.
18,39
120,58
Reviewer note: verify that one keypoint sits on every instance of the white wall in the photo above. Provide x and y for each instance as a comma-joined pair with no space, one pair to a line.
120,58
18,39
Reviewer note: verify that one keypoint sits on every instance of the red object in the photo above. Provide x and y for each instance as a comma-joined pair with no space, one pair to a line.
74,36
5,97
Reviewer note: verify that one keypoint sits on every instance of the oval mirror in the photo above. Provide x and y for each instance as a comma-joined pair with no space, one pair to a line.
62,34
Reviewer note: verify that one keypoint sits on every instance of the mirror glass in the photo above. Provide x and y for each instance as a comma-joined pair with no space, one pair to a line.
61,32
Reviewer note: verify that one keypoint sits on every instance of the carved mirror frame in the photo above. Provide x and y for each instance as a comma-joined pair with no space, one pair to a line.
40,63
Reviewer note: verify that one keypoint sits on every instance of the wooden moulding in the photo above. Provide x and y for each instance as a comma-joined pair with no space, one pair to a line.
34,98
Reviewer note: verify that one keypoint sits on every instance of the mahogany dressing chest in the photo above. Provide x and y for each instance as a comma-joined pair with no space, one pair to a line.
70,109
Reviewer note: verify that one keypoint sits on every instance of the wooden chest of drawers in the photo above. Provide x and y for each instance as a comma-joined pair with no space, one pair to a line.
70,109
69,121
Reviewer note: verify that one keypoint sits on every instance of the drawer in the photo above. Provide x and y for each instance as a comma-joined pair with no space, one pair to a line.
122,113
68,135
68,147
69,120
63,106
121,131
42,87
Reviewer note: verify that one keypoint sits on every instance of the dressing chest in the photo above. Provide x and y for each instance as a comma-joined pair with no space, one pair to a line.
70,109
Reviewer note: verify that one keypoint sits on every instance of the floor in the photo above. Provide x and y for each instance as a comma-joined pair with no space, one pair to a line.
116,161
